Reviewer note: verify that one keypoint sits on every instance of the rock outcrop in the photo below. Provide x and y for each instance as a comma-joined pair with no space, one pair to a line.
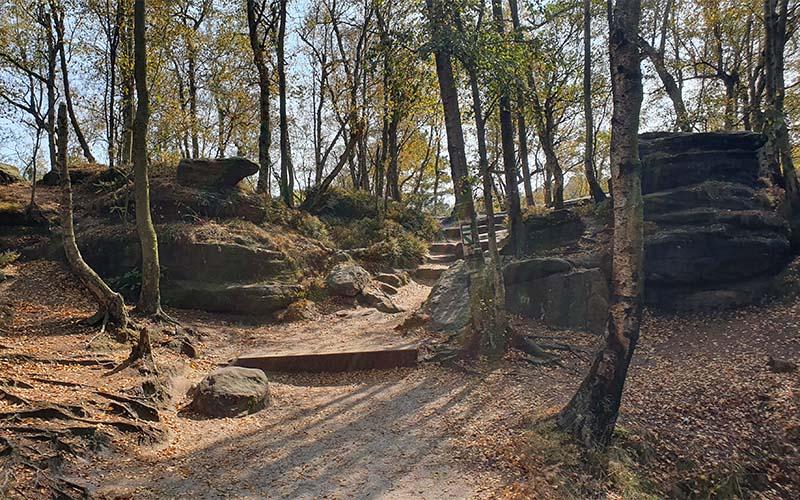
216,174
217,277
712,240
9,174
557,293
448,305
231,391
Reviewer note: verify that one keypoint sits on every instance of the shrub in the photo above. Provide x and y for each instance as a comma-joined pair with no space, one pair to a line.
398,251
8,257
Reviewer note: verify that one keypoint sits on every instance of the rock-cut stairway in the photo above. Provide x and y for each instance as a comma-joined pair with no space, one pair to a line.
442,254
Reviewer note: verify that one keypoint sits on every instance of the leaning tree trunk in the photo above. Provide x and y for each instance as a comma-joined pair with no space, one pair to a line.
111,306
522,127
588,155
58,18
591,415
150,297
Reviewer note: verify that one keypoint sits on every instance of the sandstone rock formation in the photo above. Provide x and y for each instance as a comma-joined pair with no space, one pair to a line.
231,391
216,174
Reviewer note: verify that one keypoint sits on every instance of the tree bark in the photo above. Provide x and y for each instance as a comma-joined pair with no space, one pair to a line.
127,77
462,189
509,156
111,306
287,169
58,19
778,149
257,44
150,297
522,127
592,413
588,153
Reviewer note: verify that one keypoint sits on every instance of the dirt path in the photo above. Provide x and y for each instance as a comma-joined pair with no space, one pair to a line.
700,387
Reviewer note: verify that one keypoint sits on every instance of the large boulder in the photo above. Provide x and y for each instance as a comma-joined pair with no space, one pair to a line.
376,298
254,299
712,240
231,391
448,303
681,159
9,174
214,175
552,291
348,280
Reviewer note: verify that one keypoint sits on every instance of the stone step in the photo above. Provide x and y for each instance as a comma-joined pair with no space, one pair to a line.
441,258
430,272
333,361
443,248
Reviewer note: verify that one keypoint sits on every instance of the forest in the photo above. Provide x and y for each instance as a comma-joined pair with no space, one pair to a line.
399,249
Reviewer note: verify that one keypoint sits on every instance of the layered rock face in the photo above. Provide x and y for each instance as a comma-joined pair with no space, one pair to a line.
711,239
214,174
217,277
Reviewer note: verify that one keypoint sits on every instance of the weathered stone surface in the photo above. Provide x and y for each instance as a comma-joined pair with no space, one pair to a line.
396,280
387,288
551,231
252,299
448,306
9,174
531,269
373,297
347,280
712,194
576,299
214,174
301,310
231,391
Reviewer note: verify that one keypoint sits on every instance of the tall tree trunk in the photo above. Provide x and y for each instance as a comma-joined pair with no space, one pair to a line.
779,150
111,306
592,413
191,60
264,184
588,153
509,157
127,97
52,55
522,128
150,297
287,169
462,189
392,170
58,19
488,203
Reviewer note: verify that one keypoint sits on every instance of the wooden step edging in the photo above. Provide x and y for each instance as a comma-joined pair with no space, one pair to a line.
341,361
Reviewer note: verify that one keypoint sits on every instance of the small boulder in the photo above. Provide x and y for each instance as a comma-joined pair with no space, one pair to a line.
216,174
299,311
372,297
447,306
231,391
51,178
9,174
347,280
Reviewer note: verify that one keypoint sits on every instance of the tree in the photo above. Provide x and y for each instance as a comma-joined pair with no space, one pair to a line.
588,156
260,24
57,10
507,137
111,306
591,415
779,23
287,168
150,297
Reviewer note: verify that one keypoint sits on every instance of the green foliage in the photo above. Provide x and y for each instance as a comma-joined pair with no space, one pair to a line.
308,225
345,204
398,251
127,284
